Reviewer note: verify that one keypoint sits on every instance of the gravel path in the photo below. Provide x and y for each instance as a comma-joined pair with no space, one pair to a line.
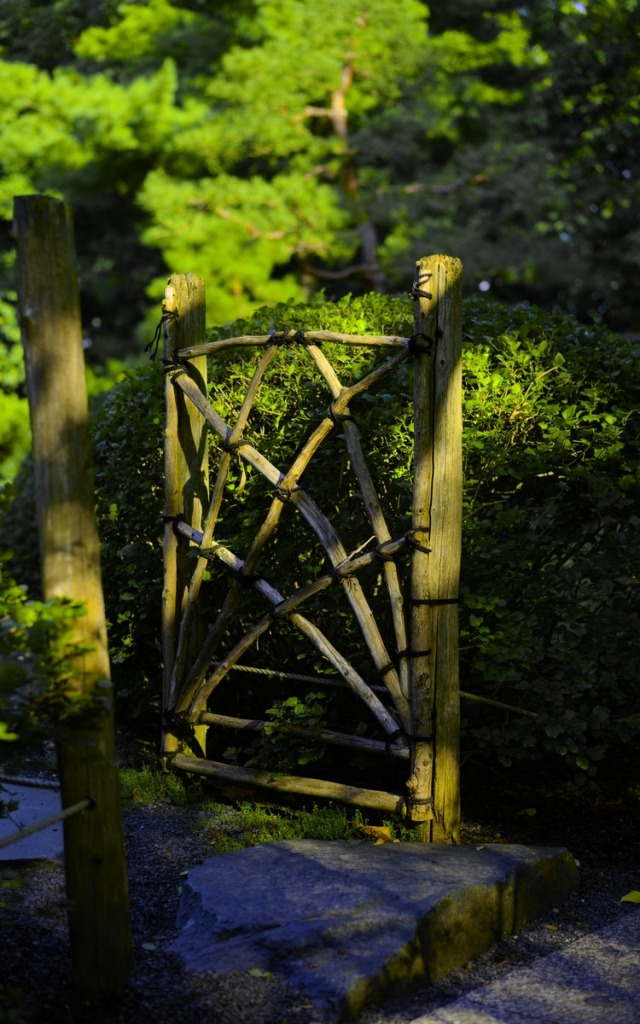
164,842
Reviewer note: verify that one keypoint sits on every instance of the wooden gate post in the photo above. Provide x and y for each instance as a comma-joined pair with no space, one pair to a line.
186,481
434,783
49,310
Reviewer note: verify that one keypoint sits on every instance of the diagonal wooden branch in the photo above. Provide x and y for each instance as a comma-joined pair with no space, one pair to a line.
309,629
398,685
212,517
287,486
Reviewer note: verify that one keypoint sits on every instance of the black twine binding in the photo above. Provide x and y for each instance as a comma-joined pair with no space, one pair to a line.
175,520
231,447
434,601
289,336
276,610
416,291
338,417
383,556
411,540
175,369
408,652
301,338
167,316
337,575
420,344
284,494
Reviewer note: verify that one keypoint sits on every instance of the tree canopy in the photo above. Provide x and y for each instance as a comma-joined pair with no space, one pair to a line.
276,147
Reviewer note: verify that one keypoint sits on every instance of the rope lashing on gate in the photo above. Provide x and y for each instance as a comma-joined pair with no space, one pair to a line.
284,494
420,344
167,316
339,573
291,337
175,369
278,609
417,292
338,417
231,447
389,667
383,556
180,726
413,542
178,518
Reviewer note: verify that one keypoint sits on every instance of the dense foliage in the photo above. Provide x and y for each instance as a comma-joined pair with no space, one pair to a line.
36,652
550,616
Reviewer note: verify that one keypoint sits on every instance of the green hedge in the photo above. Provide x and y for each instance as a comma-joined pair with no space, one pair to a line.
549,617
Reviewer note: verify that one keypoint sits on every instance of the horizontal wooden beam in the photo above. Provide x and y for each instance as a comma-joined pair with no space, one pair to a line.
372,799
340,739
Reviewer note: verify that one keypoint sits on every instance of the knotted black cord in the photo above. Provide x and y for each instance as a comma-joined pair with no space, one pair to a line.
183,730
408,652
167,316
284,494
433,601
179,518
416,291
386,668
177,369
231,447
277,610
337,575
420,344
383,556
411,539
288,336
338,417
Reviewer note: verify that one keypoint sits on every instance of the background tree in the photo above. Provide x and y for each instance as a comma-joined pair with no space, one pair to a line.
281,146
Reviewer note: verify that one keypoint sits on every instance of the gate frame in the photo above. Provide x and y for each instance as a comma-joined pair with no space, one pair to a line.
433,784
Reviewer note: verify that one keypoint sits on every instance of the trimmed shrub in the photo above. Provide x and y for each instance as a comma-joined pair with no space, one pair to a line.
550,613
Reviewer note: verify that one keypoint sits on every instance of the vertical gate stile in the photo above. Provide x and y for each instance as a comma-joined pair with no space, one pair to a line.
186,482
433,786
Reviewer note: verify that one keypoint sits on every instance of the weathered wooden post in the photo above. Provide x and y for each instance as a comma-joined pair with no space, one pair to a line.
434,784
49,310
186,480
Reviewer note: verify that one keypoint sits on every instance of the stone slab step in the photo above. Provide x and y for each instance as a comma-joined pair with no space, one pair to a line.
346,923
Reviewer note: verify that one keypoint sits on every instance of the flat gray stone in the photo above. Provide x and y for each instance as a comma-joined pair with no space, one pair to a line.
35,804
346,923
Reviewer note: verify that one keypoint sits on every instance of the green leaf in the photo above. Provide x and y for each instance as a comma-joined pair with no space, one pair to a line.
631,897
257,972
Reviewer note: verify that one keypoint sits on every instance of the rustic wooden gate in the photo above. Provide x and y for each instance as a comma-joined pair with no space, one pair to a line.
409,687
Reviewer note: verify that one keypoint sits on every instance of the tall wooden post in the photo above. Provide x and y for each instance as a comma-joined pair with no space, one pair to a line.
186,477
434,784
49,309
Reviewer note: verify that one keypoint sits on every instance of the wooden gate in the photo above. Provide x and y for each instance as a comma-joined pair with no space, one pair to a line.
405,677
